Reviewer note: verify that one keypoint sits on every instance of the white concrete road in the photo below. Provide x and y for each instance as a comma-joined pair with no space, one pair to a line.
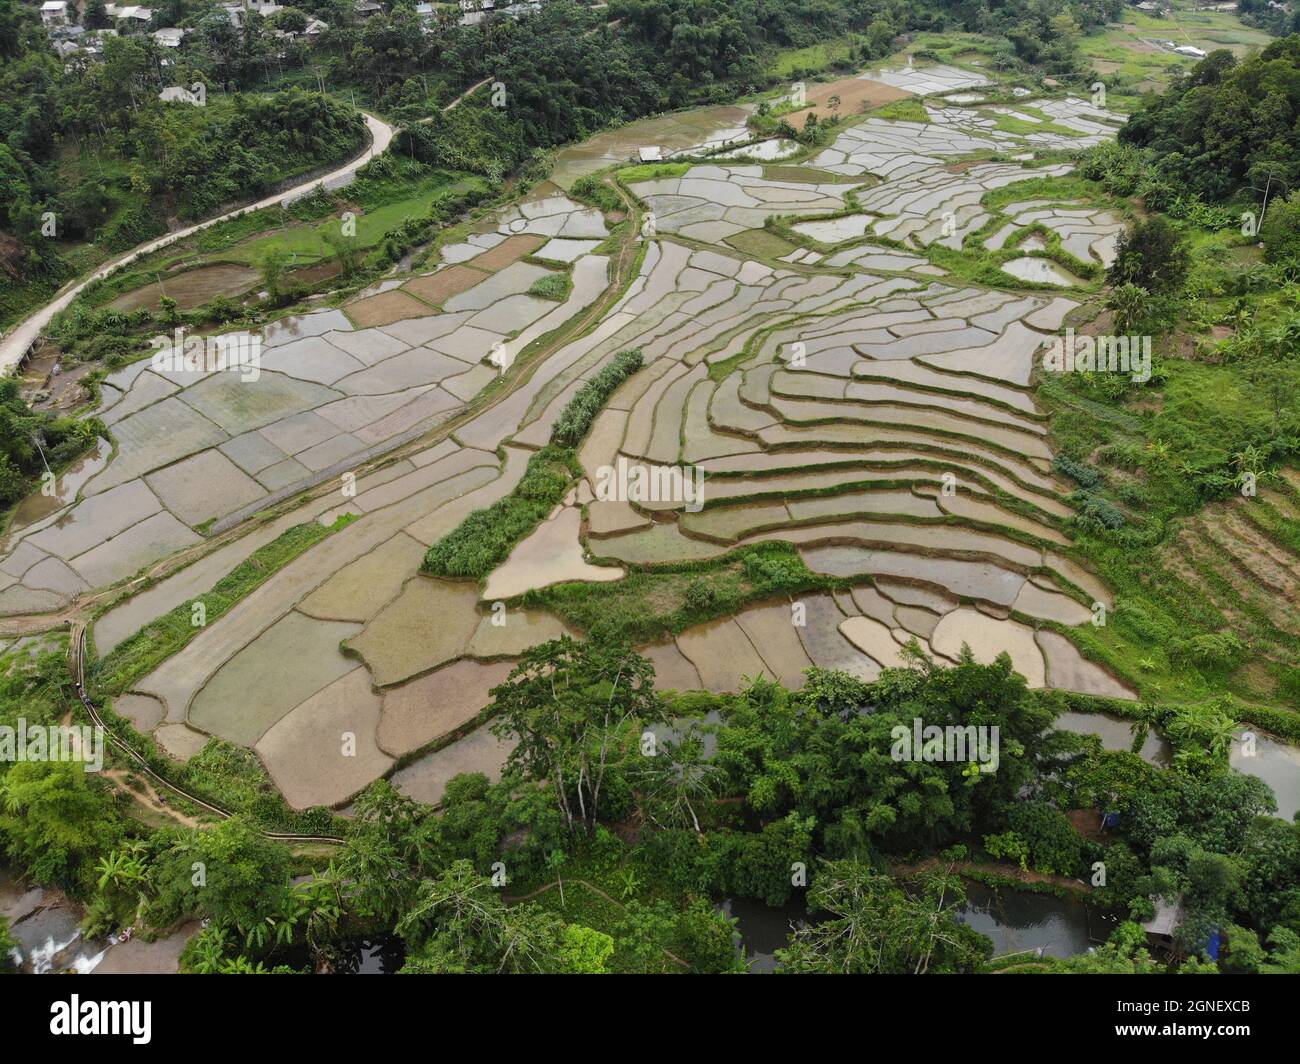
14,347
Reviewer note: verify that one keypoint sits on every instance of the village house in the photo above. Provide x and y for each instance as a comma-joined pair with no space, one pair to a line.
177,94
54,12
235,11
132,13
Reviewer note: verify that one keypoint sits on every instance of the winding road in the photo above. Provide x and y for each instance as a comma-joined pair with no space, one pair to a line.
14,347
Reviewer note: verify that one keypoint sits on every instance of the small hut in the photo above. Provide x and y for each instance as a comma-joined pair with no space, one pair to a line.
1161,927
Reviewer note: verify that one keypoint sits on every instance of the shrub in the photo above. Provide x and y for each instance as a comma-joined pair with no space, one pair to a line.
573,424
1152,256
1053,844
1212,650
1096,510
485,538
554,286
1083,474
699,596
1281,230
593,191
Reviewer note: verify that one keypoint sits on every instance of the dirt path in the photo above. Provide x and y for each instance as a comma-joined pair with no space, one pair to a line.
148,797
76,665
456,102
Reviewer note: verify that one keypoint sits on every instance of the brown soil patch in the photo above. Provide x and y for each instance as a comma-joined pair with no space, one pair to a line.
320,272
191,288
438,287
155,808
506,252
386,308
856,95
1088,823
1009,870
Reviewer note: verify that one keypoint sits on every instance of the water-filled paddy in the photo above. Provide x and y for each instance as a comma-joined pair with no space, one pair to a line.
907,377
1043,271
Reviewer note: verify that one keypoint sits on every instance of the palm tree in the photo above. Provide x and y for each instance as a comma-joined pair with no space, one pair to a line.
1219,732
1146,716
676,780
318,908
120,869
209,951
1158,453
1251,460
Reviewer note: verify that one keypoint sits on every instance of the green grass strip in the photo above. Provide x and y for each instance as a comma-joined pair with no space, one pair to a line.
486,537
161,638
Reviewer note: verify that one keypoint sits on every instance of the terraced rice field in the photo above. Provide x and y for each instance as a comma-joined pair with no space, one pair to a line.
853,401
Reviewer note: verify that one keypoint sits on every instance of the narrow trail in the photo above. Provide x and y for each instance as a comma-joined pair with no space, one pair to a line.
456,102
76,665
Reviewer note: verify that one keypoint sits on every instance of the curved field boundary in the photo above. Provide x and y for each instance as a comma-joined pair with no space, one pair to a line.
76,664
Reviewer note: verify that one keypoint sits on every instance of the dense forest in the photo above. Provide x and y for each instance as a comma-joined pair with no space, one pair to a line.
1227,125
783,781
90,141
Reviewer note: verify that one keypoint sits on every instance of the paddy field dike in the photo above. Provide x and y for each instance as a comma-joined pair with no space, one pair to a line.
818,359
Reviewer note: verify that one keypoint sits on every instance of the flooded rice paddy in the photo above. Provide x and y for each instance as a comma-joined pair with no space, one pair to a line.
865,408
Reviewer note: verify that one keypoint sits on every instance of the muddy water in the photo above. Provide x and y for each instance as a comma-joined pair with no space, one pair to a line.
1277,764
763,929
1020,921
1015,921
38,505
1044,271
191,288
671,133
379,956
1116,733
